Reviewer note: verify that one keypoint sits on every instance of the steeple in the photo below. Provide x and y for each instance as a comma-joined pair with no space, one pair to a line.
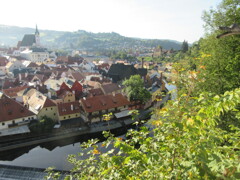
37,32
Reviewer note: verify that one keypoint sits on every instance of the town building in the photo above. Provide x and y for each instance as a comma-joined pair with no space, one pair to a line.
30,40
39,104
69,110
119,72
13,113
93,108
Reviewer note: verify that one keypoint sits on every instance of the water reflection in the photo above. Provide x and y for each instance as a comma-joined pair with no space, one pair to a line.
51,153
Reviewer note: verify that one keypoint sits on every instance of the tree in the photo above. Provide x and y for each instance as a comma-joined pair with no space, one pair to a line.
184,47
44,125
226,14
134,88
222,65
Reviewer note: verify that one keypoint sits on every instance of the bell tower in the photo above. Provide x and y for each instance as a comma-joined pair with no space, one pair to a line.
37,37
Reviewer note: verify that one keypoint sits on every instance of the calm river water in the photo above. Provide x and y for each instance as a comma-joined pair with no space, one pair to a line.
47,154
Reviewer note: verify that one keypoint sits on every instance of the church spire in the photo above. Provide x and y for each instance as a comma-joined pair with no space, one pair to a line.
36,32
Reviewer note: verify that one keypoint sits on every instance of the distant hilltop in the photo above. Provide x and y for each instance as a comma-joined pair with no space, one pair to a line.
10,35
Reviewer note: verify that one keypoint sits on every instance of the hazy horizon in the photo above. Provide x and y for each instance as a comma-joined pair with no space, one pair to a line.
145,19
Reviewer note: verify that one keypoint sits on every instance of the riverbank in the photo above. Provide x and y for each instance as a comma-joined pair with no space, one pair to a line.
83,130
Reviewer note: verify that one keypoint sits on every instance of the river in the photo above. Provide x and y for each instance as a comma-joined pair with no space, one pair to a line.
52,154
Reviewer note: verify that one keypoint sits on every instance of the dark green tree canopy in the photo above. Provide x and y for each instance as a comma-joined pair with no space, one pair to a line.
184,46
135,90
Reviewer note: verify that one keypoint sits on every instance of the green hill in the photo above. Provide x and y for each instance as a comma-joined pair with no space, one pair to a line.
10,35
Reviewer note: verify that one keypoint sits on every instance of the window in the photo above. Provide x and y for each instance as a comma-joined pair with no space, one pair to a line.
76,115
64,117
13,122
29,118
54,114
46,109
69,116
3,123
32,117
51,108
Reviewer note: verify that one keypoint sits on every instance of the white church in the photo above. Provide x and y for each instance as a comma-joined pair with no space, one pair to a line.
31,49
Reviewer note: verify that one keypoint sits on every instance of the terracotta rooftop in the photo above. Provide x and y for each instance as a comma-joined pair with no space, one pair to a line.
68,108
103,102
104,65
49,103
10,109
77,76
32,64
95,92
12,92
63,88
109,88
10,83
3,61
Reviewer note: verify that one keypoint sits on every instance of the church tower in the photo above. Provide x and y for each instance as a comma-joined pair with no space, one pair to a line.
37,37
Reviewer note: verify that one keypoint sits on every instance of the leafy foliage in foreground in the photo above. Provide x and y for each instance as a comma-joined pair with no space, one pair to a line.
186,144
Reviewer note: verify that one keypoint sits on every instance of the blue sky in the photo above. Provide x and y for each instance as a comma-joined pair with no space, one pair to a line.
156,19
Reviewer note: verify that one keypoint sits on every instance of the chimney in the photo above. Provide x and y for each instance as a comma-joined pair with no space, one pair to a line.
142,62
161,77
20,77
49,94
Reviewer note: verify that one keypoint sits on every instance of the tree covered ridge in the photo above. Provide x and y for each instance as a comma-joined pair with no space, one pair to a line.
81,39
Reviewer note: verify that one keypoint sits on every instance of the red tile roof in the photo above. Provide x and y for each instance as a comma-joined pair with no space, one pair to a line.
78,76
12,92
109,88
95,92
10,83
103,102
48,103
76,86
44,67
32,64
104,65
63,88
3,61
10,109
61,59
68,108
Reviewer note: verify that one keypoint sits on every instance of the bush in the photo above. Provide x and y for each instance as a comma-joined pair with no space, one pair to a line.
44,125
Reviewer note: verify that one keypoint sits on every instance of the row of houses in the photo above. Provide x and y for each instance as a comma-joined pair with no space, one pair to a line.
35,105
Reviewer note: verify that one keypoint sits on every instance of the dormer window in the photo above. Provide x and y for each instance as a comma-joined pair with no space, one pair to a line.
9,112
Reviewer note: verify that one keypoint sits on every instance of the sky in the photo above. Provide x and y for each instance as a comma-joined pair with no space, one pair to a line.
151,19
